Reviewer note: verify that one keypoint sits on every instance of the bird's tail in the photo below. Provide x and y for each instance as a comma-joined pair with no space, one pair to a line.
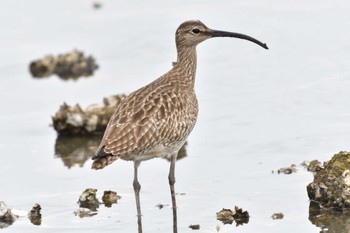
100,163
102,159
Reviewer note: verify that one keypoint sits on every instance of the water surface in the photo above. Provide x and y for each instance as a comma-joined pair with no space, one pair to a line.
259,110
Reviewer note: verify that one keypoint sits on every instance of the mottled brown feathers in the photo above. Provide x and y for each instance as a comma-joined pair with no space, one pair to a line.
155,120
101,159
161,118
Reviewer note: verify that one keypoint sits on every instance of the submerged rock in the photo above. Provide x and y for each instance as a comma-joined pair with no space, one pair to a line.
84,212
94,119
228,216
331,185
88,199
71,65
7,218
194,226
97,5
88,202
160,206
287,170
277,216
35,215
110,197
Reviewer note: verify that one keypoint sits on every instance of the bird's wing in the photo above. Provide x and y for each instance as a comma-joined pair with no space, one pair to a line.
144,119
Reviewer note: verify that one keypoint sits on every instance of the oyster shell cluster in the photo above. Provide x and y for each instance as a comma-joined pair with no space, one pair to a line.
71,65
74,120
331,185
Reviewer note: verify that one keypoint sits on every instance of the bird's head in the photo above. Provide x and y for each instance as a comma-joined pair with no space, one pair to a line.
193,32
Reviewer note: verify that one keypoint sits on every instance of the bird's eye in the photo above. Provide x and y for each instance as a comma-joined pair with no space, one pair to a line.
196,30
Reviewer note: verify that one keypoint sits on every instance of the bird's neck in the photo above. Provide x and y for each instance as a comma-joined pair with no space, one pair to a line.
186,64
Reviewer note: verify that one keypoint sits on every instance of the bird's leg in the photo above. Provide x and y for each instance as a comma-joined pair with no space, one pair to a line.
172,190
137,188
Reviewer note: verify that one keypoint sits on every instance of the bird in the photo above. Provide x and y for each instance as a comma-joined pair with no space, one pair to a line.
155,120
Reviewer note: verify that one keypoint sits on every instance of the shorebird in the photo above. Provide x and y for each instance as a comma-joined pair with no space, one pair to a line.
155,120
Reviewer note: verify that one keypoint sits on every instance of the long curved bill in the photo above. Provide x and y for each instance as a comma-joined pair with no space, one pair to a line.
216,33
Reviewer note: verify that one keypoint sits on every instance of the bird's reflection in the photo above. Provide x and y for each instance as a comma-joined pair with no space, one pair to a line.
139,216
76,150
330,221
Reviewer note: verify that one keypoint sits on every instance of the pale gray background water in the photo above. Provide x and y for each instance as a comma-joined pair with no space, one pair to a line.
259,110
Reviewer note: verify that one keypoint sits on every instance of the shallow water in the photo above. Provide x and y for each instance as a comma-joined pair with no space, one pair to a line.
259,110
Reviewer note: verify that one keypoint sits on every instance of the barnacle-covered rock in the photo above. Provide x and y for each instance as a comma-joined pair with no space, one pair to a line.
331,185
71,65
313,166
35,215
88,199
241,217
225,216
7,218
228,216
109,198
43,67
94,119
